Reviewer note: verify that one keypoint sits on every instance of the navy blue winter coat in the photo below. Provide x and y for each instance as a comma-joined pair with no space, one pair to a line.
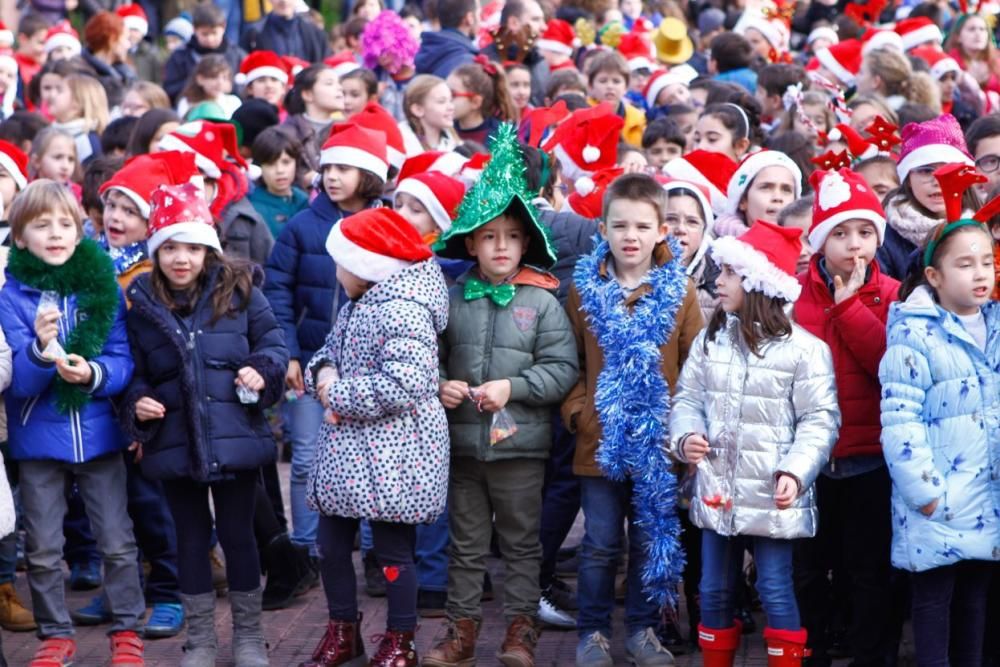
894,254
189,365
442,51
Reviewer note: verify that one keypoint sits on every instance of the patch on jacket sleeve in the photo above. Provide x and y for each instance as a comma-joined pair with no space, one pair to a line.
524,317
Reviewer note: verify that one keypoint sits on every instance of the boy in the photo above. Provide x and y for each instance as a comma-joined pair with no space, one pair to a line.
730,59
508,346
662,141
276,197
845,302
30,54
799,214
633,267
565,83
607,81
209,37
71,356
772,82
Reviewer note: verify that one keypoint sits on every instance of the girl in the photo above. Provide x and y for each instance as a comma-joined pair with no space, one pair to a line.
690,219
211,81
764,183
754,482
888,73
519,88
971,44
810,116
939,411
8,86
107,53
200,327
53,155
864,109
269,87
879,173
152,126
360,87
311,104
79,107
430,116
481,100
142,96
730,128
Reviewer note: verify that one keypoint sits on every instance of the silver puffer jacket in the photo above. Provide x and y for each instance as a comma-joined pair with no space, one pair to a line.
762,415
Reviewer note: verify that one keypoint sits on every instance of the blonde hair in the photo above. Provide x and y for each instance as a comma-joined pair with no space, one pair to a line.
40,145
416,93
876,101
810,98
898,78
89,95
38,198
151,94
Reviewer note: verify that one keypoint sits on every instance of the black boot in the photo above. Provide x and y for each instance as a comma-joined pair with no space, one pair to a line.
289,572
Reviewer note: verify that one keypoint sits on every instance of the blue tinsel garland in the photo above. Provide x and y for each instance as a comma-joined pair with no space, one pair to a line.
633,403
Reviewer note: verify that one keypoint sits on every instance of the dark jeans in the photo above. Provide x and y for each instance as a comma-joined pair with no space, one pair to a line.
560,498
234,501
854,539
155,534
394,544
949,614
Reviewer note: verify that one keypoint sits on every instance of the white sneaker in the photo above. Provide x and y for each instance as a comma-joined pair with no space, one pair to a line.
552,615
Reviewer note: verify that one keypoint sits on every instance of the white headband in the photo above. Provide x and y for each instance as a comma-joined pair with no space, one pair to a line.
746,119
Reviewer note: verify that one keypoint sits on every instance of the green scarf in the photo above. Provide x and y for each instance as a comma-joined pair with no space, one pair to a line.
89,275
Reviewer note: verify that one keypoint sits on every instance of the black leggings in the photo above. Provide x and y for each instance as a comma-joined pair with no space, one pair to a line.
949,613
394,543
234,501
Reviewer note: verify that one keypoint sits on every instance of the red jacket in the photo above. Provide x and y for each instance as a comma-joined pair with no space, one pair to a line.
855,332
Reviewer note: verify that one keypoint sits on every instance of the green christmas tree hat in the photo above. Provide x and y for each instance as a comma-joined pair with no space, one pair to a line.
502,188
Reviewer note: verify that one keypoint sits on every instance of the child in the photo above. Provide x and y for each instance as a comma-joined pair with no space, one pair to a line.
798,214
398,307
430,116
13,179
519,88
97,173
971,44
607,80
311,105
68,424
264,75
360,87
30,54
142,96
79,107
690,220
730,128
481,100
200,327
811,115
662,141
429,201
729,61
276,197
631,293
879,173
754,479
211,81
887,72
845,302
53,156
555,45
209,37
764,183
15,614
501,303
772,82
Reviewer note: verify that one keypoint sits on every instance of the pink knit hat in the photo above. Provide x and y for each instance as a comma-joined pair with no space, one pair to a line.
934,141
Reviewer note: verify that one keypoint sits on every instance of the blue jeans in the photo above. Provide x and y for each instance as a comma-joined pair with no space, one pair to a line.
305,417
432,555
721,567
606,505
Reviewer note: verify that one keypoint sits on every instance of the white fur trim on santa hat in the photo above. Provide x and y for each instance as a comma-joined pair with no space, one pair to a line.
817,237
753,165
137,23
757,271
419,191
883,39
354,157
11,167
554,46
928,33
768,29
823,32
6,37
363,263
61,39
827,60
171,142
640,62
930,154
185,232
570,169
944,66
259,72
345,68
682,169
140,203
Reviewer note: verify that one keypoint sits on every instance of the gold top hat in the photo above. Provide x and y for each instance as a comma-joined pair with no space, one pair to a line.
673,46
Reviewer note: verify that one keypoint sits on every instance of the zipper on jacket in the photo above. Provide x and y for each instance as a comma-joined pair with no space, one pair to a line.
200,389
487,355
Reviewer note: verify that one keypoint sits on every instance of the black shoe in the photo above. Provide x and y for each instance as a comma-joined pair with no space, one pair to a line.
563,595
487,588
289,572
430,604
746,618
374,577
670,637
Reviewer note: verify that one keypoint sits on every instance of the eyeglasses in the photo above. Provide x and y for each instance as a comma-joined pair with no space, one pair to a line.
687,224
987,164
925,173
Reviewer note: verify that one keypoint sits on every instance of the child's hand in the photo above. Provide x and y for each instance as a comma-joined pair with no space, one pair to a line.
452,393
249,378
786,491
148,409
695,448
47,327
293,378
136,448
74,369
929,508
326,376
843,292
493,395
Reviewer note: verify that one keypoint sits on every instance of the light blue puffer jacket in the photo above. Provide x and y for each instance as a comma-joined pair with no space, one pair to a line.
941,434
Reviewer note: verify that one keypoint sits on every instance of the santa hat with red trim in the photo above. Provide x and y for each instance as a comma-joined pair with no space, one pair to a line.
374,117
934,141
342,63
376,243
439,193
14,161
588,197
180,213
843,60
881,38
857,146
212,144
587,141
939,61
6,36
765,257
637,51
657,83
295,65
917,31
60,35
841,196
448,163
558,37
709,169
143,174
753,164
134,18
352,145
260,64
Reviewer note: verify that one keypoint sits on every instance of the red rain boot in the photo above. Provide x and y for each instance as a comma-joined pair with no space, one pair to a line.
785,648
718,647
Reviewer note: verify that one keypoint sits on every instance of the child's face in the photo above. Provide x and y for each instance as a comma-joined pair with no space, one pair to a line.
711,135
165,129
218,85
416,214
181,263
729,287
848,241
803,223
437,111
519,87
33,45
328,95
58,161
466,103
965,280
368,9
498,247
947,85
686,223
881,177
123,223
633,162
662,152
173,43
279,176
675,93
631,8
355,96
632,229
987,157
54,93
51,237
267,88
771,190
637,80
8,79
815,113
60,53
927,190
552,58
8,188
974,36
760,45
133,104
413,25
210,37
608,86
354,286
341,182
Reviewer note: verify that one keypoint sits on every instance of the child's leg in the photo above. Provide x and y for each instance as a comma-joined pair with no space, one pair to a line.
469,528
189,500
234,501
335,539
305,418
604,504
931,613
968,612
774,582
394,543
640,612
155,533
102,484
721,564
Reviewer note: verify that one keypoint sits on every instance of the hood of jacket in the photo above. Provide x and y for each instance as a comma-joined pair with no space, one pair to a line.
421,283
438,46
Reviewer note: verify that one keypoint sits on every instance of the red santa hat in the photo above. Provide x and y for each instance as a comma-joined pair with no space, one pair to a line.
558,37
881,38
6,36
939,61
857,146
765,257
295,65
143,174
342,63
212,144
587,141
841,196
448,163
356,146
60,35
657,83
753,164
917,31
15,162
439,193
637,51
180,213
709,169
376,243
374,117
260,64
134,18
843,60
588,197
774,30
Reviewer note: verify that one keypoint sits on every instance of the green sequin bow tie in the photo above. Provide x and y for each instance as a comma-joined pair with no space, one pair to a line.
502,295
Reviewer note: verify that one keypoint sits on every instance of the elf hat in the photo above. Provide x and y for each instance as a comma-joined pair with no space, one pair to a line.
823,32
374,117
356,146
558,37
376,243
15,162
712,170
939,61
637,51
6,36
587,141
211,143
342,63
843,60
143,174
657,83
840,196
765,257
448,163
858,147
884,38
917,31
588,198
60,35
752,165
260,64
134,18
179,213
932,142
439,193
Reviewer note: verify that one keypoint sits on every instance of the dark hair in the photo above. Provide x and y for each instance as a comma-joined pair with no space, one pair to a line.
536,162
729,114
491,87
22,126
970,200
679,110
304,80
606,61
565,78
663,128
801,206
777,77
102,30
915,276
234,282
97,172
367,77
412,9
801,149
450,13
31,24
147,127
731,51
116,135
370,186
761,317
574,101
354,27
63,68
512,9
983,127
207,15
915,113
272,142
928,10
210,65
637,187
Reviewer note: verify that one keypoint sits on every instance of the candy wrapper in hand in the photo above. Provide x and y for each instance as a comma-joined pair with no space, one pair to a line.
503,427
246,395
54,351
48,301
716,493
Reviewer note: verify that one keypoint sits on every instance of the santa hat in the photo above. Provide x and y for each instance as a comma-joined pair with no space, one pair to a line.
765,257
212,144
342,63
637,51
657,83
752,165
15,162
587,141
294,65
932,142
558,37
134,18
823,32
857,146
711,170
180,213
6,35
700,193
376,243
588,198
843,60
841,196
884,38
356,146
260,64
448,163
775,31
439,193
60,35
374,117
939,61
143,174
916,31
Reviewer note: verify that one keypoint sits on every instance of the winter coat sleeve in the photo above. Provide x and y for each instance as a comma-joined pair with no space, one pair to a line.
176,73
6,362
687,413
115,360
138,388
261,243
691,324
31,374
268,354
575,401
279,287
556,365
861,331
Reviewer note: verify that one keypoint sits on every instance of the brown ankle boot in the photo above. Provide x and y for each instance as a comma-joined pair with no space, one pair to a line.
396,649
341,646
518,649
458,649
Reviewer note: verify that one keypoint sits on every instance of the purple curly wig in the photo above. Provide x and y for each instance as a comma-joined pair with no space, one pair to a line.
388,42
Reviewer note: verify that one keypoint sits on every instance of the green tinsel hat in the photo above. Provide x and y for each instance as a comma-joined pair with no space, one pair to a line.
502,188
